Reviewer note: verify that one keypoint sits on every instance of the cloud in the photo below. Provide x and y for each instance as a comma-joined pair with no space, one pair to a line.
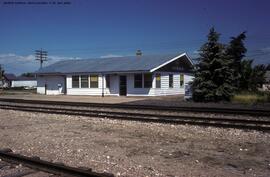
110,56
7,55
19,64
266,49
196,52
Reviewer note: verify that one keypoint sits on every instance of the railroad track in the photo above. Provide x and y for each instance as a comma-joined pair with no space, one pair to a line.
15,165
253,112
240,123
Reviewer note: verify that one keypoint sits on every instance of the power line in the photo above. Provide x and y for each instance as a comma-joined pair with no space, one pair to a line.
258,55
144,46
41,56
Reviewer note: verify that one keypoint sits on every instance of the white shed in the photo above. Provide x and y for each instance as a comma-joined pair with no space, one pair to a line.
27,82
128,76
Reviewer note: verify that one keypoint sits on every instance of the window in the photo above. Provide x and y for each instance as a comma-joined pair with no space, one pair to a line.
148,80
158,80
94,81
138,81
75,82
181,80
108,81
84,81
170,81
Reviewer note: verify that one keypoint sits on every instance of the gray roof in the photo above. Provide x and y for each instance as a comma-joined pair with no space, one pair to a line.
115,64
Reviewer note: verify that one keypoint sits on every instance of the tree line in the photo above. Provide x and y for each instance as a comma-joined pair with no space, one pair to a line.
223,70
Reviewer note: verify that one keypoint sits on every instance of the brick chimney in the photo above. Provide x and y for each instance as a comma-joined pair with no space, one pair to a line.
138,53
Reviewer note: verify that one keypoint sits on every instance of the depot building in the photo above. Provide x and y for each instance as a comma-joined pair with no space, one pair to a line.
153,75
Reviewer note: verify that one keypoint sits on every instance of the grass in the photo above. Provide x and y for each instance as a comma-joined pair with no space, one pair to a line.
251,97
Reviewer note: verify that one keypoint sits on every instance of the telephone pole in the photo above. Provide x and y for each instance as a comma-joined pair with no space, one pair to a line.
1,75
41,55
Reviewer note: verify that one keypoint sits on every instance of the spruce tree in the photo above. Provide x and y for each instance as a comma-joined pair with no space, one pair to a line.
258,77
251,77
213,76
268,67
235,51
246,74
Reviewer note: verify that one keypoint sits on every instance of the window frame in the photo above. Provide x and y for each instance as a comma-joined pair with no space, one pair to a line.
93,84
73,80
86,79
182,82
146,82
138,81
170,80
158,82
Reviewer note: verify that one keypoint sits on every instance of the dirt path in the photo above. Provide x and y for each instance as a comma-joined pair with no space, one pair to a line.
128,148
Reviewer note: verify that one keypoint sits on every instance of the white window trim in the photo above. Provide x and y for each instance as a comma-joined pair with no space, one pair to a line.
173,59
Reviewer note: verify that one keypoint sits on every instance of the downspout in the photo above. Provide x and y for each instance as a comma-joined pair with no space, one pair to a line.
45,88
102,85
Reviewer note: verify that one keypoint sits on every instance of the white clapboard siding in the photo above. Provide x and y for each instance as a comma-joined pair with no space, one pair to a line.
113,90
164,90
24,83
53,83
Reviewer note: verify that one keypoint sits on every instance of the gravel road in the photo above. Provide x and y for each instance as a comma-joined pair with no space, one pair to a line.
128,148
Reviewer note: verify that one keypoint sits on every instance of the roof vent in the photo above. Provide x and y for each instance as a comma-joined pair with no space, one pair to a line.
139,53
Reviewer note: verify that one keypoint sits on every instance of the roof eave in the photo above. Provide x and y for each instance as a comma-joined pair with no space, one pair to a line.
171,60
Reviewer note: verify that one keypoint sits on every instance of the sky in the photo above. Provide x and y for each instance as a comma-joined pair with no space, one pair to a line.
75,29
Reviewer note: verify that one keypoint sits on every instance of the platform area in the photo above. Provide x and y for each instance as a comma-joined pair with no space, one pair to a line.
95,99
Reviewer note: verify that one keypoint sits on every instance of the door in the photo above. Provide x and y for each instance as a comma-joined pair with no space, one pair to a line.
123,86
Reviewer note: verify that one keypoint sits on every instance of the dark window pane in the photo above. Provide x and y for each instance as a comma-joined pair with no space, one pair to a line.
181,80
138,81
108,83
158,81
148,80
170,80
94,81
75,81
84,81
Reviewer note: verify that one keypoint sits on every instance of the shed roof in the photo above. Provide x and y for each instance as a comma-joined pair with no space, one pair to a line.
115,64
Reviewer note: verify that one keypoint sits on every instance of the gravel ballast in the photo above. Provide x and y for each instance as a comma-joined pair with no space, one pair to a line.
127,148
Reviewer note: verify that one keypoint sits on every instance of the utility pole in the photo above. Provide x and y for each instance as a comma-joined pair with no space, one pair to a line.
1,76
138,53
41,56
102,75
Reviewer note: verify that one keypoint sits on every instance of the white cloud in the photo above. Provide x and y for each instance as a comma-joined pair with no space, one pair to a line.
18,64
110,56
7,55
196,52
266,49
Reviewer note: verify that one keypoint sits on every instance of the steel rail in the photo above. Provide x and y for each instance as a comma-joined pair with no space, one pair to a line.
255,112
128,114
177,119
54,168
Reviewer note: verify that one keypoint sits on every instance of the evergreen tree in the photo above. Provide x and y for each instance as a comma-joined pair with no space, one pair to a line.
213,75
246,74
28,74
268,67
236,52
258,77
251,77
